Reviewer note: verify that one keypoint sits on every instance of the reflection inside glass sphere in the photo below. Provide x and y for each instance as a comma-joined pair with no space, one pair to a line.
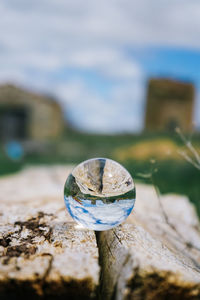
99,194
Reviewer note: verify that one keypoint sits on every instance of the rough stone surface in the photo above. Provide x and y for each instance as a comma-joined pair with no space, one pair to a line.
30,116
170,104
43,253
155,254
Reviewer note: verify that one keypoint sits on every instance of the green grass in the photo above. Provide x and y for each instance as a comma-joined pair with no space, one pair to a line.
171,177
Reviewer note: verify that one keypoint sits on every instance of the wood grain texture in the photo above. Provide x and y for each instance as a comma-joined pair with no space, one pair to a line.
43,253
155,254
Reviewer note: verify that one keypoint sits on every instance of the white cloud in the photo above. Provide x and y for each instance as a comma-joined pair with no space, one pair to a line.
109,62
39,38
119,111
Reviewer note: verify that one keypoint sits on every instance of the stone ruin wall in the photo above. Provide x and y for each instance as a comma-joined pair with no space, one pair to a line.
170,104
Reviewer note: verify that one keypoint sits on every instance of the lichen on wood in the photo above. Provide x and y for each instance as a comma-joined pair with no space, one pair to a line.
154,255
43,254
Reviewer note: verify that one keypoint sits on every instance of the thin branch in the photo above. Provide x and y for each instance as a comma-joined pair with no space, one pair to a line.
161,206
194,152
187,244
191,148
189,159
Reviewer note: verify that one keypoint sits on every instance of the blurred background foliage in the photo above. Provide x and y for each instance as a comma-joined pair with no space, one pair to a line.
143,155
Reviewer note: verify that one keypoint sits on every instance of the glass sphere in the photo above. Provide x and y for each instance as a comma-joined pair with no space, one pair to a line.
99,193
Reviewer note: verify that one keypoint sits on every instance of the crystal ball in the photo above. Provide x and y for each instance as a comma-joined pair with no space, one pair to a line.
99,194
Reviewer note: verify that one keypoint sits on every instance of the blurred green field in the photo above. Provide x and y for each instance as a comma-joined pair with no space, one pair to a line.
173,173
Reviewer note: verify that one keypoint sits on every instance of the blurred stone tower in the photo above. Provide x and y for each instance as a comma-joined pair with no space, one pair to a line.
170,104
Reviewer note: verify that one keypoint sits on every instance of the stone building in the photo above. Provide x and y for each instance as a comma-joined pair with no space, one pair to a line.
170,104
27,115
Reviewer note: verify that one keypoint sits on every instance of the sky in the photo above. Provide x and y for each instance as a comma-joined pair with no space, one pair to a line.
96,57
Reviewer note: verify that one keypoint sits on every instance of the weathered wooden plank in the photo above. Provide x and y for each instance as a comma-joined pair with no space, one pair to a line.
155,254
43,254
